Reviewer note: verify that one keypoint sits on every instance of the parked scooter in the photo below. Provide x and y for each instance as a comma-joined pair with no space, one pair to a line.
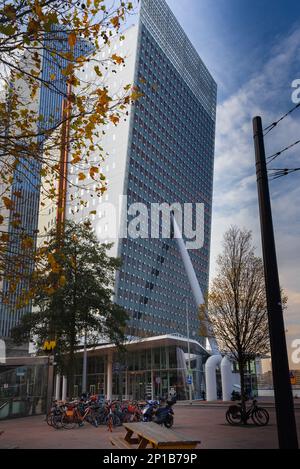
149,410
165,415
235,396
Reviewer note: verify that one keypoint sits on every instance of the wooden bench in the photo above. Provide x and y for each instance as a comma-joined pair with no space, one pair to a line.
149,434
120,443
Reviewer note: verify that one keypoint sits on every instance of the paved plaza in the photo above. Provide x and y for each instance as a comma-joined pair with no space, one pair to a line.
207,424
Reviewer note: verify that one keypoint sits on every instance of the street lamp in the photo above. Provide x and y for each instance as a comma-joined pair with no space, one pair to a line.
189,351
84,365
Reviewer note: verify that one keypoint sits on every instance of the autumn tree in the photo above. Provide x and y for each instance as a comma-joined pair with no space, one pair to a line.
73,297
237,301
45,46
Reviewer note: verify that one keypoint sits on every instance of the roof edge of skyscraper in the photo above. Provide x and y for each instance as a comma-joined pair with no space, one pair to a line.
161,22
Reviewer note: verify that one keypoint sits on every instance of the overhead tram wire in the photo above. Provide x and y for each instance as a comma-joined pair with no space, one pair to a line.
280,172
274,124
275,155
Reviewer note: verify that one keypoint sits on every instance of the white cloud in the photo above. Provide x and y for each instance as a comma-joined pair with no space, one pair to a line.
268,93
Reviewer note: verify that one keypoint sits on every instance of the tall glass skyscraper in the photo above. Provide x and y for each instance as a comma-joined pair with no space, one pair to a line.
27,175
164,153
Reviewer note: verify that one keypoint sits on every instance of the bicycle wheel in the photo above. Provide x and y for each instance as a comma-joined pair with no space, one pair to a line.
49,419
260,417
68,421
234,416
101,416
92,419
57,421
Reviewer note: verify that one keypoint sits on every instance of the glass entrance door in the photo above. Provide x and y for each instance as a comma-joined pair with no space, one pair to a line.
138,385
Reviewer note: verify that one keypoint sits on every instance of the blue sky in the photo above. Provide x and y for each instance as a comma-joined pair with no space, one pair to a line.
252,48
234,37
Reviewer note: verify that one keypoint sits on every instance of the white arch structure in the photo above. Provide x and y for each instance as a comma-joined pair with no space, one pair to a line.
211,381
191,274
216,359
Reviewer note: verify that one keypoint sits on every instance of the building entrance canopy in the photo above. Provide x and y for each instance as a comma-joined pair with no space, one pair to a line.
149,367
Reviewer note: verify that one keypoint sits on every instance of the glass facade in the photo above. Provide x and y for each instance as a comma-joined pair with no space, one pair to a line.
27,179
148,372
23,390
170,160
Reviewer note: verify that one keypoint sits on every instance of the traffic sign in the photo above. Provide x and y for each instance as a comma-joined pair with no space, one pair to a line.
21,371
189,380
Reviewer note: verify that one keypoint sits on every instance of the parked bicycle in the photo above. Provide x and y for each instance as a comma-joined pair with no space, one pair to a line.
54,416
77,413
236,415
112,419
94,410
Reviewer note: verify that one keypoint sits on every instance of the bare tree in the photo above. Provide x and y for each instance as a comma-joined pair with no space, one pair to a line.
237,301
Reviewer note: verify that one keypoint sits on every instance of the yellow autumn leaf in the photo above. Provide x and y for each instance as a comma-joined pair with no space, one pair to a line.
55,267
98,71
135,95
7,202
49,290
27,243
94,170
72,39
81,177
116,58
75,159
51,259
114,119
9,11
33,26
16,223
12,287
4,237
62,280
68,70
115,21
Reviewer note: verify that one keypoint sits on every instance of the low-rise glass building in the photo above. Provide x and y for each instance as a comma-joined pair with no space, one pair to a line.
148,368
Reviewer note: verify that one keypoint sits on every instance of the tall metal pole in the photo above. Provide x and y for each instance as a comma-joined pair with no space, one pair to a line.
189,349
286,425
84,365
50,382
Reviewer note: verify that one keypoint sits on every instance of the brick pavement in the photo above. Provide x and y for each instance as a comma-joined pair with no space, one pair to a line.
207,424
